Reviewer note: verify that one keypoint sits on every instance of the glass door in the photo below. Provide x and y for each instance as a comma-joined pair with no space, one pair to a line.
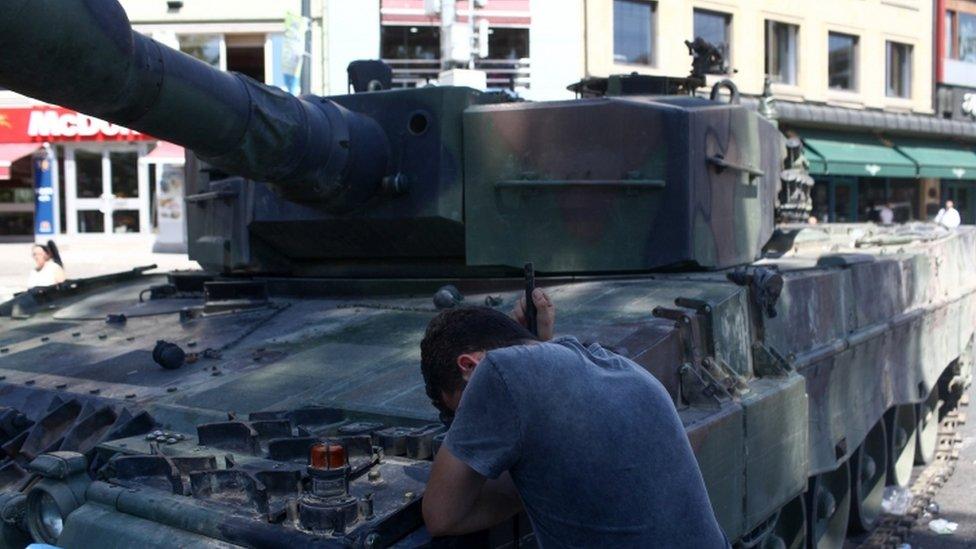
89,190
123,188
843,199
106,197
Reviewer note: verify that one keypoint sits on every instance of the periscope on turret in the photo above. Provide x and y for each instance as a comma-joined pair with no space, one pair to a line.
291,410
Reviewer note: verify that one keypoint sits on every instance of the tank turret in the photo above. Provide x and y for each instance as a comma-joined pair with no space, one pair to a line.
432,181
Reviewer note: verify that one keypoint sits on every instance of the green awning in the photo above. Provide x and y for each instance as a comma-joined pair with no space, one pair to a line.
857,155
818,166
939,159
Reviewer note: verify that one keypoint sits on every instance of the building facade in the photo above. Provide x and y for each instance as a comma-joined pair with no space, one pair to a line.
411,43
853,53
881,92
852,79
955,77
92,166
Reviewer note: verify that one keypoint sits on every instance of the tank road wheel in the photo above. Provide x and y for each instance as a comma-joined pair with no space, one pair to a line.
828,508
869,469
790,531
902,435
928,428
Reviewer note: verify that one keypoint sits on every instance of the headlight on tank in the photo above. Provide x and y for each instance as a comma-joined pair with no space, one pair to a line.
44,516
53,498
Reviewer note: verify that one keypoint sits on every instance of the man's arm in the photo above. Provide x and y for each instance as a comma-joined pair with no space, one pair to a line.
458,500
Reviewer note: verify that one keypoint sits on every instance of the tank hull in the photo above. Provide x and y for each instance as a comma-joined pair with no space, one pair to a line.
768,402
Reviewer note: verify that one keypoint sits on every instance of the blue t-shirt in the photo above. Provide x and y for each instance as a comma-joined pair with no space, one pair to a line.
593,444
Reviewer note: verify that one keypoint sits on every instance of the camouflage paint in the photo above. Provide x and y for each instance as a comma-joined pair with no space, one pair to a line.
608,185
758,434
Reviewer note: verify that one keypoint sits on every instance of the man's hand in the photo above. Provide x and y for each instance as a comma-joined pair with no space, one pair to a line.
458,500
545,314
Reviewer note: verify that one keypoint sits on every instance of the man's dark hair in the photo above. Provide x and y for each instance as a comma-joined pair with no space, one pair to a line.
461,330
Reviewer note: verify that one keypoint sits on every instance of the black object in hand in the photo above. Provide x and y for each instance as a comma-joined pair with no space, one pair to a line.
531,316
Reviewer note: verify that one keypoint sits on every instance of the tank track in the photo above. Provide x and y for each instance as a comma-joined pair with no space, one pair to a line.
894,530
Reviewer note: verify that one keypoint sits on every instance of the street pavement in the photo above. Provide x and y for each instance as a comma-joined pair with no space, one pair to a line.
86,256
957,499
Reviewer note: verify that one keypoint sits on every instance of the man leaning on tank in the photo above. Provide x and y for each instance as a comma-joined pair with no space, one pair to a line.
586,441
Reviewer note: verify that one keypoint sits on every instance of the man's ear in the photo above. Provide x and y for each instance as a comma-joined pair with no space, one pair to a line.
467,362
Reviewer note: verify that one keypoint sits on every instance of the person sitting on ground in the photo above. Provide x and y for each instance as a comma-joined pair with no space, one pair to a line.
48,269
948,217
588,441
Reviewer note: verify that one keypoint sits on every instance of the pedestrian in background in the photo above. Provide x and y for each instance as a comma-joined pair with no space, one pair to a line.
948,217
48,269
886,215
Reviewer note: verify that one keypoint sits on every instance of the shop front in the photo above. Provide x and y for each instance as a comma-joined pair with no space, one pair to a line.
16,190
94,186
864,161
858,174
958,103
950,171
103,188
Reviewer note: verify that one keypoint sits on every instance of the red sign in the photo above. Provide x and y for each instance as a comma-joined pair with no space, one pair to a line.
56,124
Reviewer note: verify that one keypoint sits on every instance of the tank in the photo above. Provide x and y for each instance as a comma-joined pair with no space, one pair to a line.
275,398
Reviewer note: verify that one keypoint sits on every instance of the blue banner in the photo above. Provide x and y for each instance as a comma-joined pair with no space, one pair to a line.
43,193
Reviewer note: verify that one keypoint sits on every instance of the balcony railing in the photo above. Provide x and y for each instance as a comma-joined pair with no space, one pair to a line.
512,74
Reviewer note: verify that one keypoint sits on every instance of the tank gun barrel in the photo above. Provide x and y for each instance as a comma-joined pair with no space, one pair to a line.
83,54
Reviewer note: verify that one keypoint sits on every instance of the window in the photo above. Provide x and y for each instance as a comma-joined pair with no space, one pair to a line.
205,47
16,223
842,61
506,43
901,195
904,196
91,221
714,27
16,195
899,70
506,47
871,195
125,221
401,42
950,34
960,36
633,32
243,53
88,174
966,47
124,174
781,58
